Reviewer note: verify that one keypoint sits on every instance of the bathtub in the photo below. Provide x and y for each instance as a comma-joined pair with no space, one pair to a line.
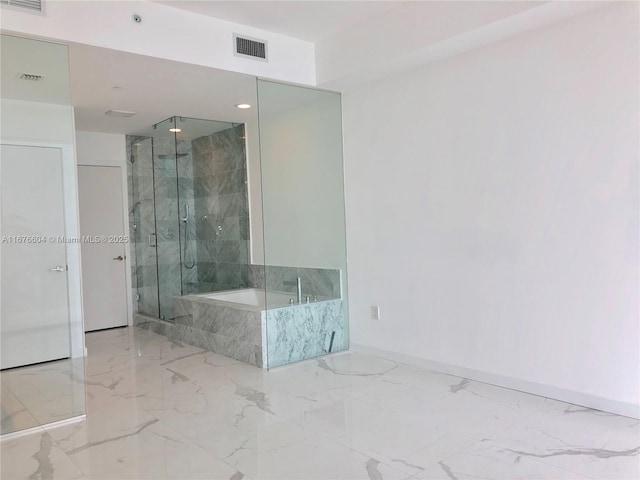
253,297
263,329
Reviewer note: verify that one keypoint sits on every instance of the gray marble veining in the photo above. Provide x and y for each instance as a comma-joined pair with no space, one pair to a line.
315,281
299,332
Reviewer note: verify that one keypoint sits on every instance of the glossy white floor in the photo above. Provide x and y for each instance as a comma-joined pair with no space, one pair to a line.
160,409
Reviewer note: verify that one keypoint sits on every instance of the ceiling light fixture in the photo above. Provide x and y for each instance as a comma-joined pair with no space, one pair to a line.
243,105
175,130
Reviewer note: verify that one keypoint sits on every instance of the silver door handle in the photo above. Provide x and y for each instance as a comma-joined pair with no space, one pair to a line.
119,257
58,268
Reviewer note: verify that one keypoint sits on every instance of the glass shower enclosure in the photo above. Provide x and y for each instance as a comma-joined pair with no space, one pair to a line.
271,298
188,214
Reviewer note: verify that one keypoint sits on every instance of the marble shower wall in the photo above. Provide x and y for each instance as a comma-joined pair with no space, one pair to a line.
222,210
322,282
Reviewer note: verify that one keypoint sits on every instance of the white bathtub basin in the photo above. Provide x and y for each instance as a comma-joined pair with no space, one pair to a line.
254,297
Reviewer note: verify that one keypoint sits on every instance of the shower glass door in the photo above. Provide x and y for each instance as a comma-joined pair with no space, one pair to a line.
142,223
168,215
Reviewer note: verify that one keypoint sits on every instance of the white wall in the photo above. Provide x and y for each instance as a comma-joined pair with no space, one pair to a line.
109,150
165,32
37,122
492,212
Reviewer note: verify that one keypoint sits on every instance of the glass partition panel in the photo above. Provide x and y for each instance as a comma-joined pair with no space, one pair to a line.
167,216
304,222
142,223
41,329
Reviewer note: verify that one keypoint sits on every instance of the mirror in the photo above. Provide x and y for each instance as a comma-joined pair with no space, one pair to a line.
41,332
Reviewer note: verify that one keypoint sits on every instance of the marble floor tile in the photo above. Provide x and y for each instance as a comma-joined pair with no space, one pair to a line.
36,456
161,409
318,459
122,443
14,415
588,442
50,392
485,460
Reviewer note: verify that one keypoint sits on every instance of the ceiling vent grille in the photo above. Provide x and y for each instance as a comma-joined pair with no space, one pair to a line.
31,77
250,47
33,5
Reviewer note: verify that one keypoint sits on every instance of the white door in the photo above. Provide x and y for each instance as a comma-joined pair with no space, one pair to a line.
104,291
34,317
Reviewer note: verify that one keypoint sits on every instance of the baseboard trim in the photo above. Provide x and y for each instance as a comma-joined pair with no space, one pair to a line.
570,396
42,428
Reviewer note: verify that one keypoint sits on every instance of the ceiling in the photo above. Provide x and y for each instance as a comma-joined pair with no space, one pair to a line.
305,20
154,88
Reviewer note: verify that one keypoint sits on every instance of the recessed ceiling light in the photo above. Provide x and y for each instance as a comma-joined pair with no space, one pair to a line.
243,105
175,130
119,113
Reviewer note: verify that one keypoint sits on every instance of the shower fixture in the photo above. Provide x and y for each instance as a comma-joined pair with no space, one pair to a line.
187,264
170,156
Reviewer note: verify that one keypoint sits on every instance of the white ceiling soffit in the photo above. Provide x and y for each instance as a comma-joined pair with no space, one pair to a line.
154,88
430,31
305,20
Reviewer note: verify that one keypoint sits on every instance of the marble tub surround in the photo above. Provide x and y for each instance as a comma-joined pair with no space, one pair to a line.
231,330
233,349
161,409
300,332
321,282
254,332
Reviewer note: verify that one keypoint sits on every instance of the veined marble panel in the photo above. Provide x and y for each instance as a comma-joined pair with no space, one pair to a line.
234,333
299,332
315,281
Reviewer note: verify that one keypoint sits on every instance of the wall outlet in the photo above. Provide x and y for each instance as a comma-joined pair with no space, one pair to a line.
375,312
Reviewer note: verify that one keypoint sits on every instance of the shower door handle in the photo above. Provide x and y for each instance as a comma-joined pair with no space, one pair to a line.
152,239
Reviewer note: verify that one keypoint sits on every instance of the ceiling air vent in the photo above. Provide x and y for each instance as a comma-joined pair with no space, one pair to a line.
31,77
33,5
250,47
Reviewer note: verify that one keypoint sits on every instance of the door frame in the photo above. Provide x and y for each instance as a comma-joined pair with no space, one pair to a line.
93,159
125,229
72,229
